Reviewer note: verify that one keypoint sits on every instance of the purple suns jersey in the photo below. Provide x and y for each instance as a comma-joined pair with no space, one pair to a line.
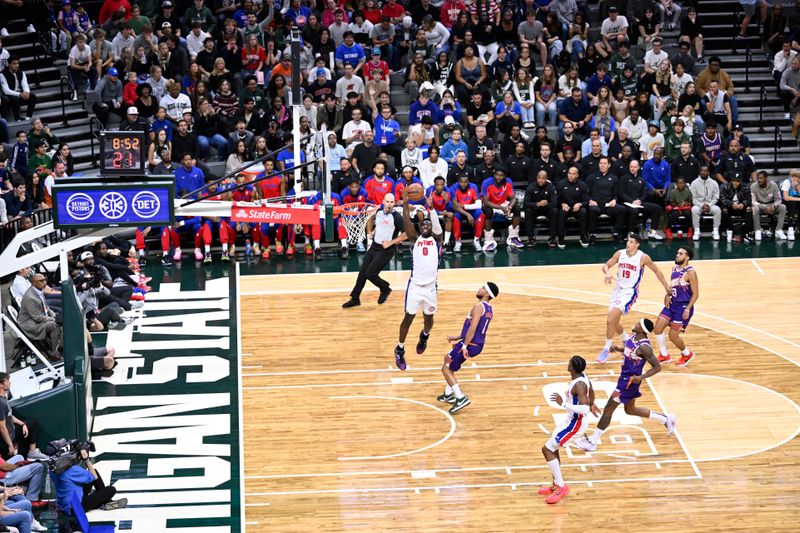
632,364
681,289
480,333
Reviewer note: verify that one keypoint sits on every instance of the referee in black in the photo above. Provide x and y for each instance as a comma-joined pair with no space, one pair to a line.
387,226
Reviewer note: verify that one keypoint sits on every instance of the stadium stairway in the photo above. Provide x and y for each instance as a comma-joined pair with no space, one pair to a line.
721,20
44,74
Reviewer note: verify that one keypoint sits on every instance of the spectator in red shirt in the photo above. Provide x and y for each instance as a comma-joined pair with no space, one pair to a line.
394,11
110,6
376,63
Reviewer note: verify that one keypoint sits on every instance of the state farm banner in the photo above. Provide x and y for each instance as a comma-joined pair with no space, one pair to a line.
275,214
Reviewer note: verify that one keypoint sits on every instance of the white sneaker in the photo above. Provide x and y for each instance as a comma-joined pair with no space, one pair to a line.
786,116
791,234
137,304
672,420
457,246
696,236
477,244
715,235
729,235
31,28
653,234
585,444
488,246
36,526
758,235
780,234
3,33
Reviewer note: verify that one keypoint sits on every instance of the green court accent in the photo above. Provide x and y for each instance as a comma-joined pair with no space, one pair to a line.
167,424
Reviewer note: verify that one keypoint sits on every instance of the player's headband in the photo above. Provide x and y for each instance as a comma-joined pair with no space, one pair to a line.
644,327
489,290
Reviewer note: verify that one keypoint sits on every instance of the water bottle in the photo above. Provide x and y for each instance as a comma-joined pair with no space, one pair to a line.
647,226
47,485
248,249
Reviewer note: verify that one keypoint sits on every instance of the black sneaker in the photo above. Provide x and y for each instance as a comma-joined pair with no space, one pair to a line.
423,342
459,404
584,241
352,302
592,238
317,253
399,250
446,398
531,242
561,243
384,296
400,357
448,250
345,253
166,261
551,243
142,260
207,259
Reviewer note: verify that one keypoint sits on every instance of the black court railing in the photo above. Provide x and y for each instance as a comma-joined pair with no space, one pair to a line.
62,83
777,141
761,103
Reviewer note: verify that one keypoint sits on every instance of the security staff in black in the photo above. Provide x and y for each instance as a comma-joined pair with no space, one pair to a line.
602,187
686,166
547,162
540,200
386,225
518,165
573,196
632,190
735,163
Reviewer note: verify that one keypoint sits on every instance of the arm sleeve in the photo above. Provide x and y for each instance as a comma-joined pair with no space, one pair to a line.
437,226
579,409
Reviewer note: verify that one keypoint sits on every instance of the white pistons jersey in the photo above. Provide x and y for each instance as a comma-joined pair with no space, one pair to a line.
629,270
424,261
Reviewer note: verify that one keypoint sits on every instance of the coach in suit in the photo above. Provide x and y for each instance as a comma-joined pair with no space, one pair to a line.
36,320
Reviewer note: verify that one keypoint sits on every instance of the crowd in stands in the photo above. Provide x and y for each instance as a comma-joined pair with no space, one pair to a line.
584,125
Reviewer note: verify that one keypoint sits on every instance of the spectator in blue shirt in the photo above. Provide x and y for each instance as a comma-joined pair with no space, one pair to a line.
17,202
656,175
387,131
597,80
420,107
299,14
576,110
349,53
507,113
188,177
451,148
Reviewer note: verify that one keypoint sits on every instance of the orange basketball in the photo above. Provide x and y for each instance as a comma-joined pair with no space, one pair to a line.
415,192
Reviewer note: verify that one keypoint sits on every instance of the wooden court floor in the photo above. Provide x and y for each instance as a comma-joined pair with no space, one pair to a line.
337,439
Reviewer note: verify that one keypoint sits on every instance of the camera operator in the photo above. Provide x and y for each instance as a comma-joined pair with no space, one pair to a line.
88,483
89,287
119,291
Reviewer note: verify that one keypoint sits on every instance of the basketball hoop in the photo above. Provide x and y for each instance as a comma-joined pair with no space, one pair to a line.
354,217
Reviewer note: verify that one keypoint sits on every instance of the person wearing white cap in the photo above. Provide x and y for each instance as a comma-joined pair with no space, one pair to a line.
133,122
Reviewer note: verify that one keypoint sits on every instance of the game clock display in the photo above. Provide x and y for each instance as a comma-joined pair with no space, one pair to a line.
123,153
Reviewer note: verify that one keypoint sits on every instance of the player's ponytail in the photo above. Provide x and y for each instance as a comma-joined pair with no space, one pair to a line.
578,363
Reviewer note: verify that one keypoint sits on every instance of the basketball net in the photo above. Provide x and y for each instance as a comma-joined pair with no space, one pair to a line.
354,217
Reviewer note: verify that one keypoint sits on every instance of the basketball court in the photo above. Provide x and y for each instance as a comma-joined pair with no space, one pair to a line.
336,438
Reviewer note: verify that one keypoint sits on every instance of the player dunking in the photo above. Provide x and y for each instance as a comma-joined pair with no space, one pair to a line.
636,352
679,308
422,283
579,402
630,270
467,345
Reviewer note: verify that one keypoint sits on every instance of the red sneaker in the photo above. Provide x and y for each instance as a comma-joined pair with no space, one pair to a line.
279,248
266,253
137,296
559,494
684,360
690,233
547,491
668,233
665,358
38,504
309,249
290,250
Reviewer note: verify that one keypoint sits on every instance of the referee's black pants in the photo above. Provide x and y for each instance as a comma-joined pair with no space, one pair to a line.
375,260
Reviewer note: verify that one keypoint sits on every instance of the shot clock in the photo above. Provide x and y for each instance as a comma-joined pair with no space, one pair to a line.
123,153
